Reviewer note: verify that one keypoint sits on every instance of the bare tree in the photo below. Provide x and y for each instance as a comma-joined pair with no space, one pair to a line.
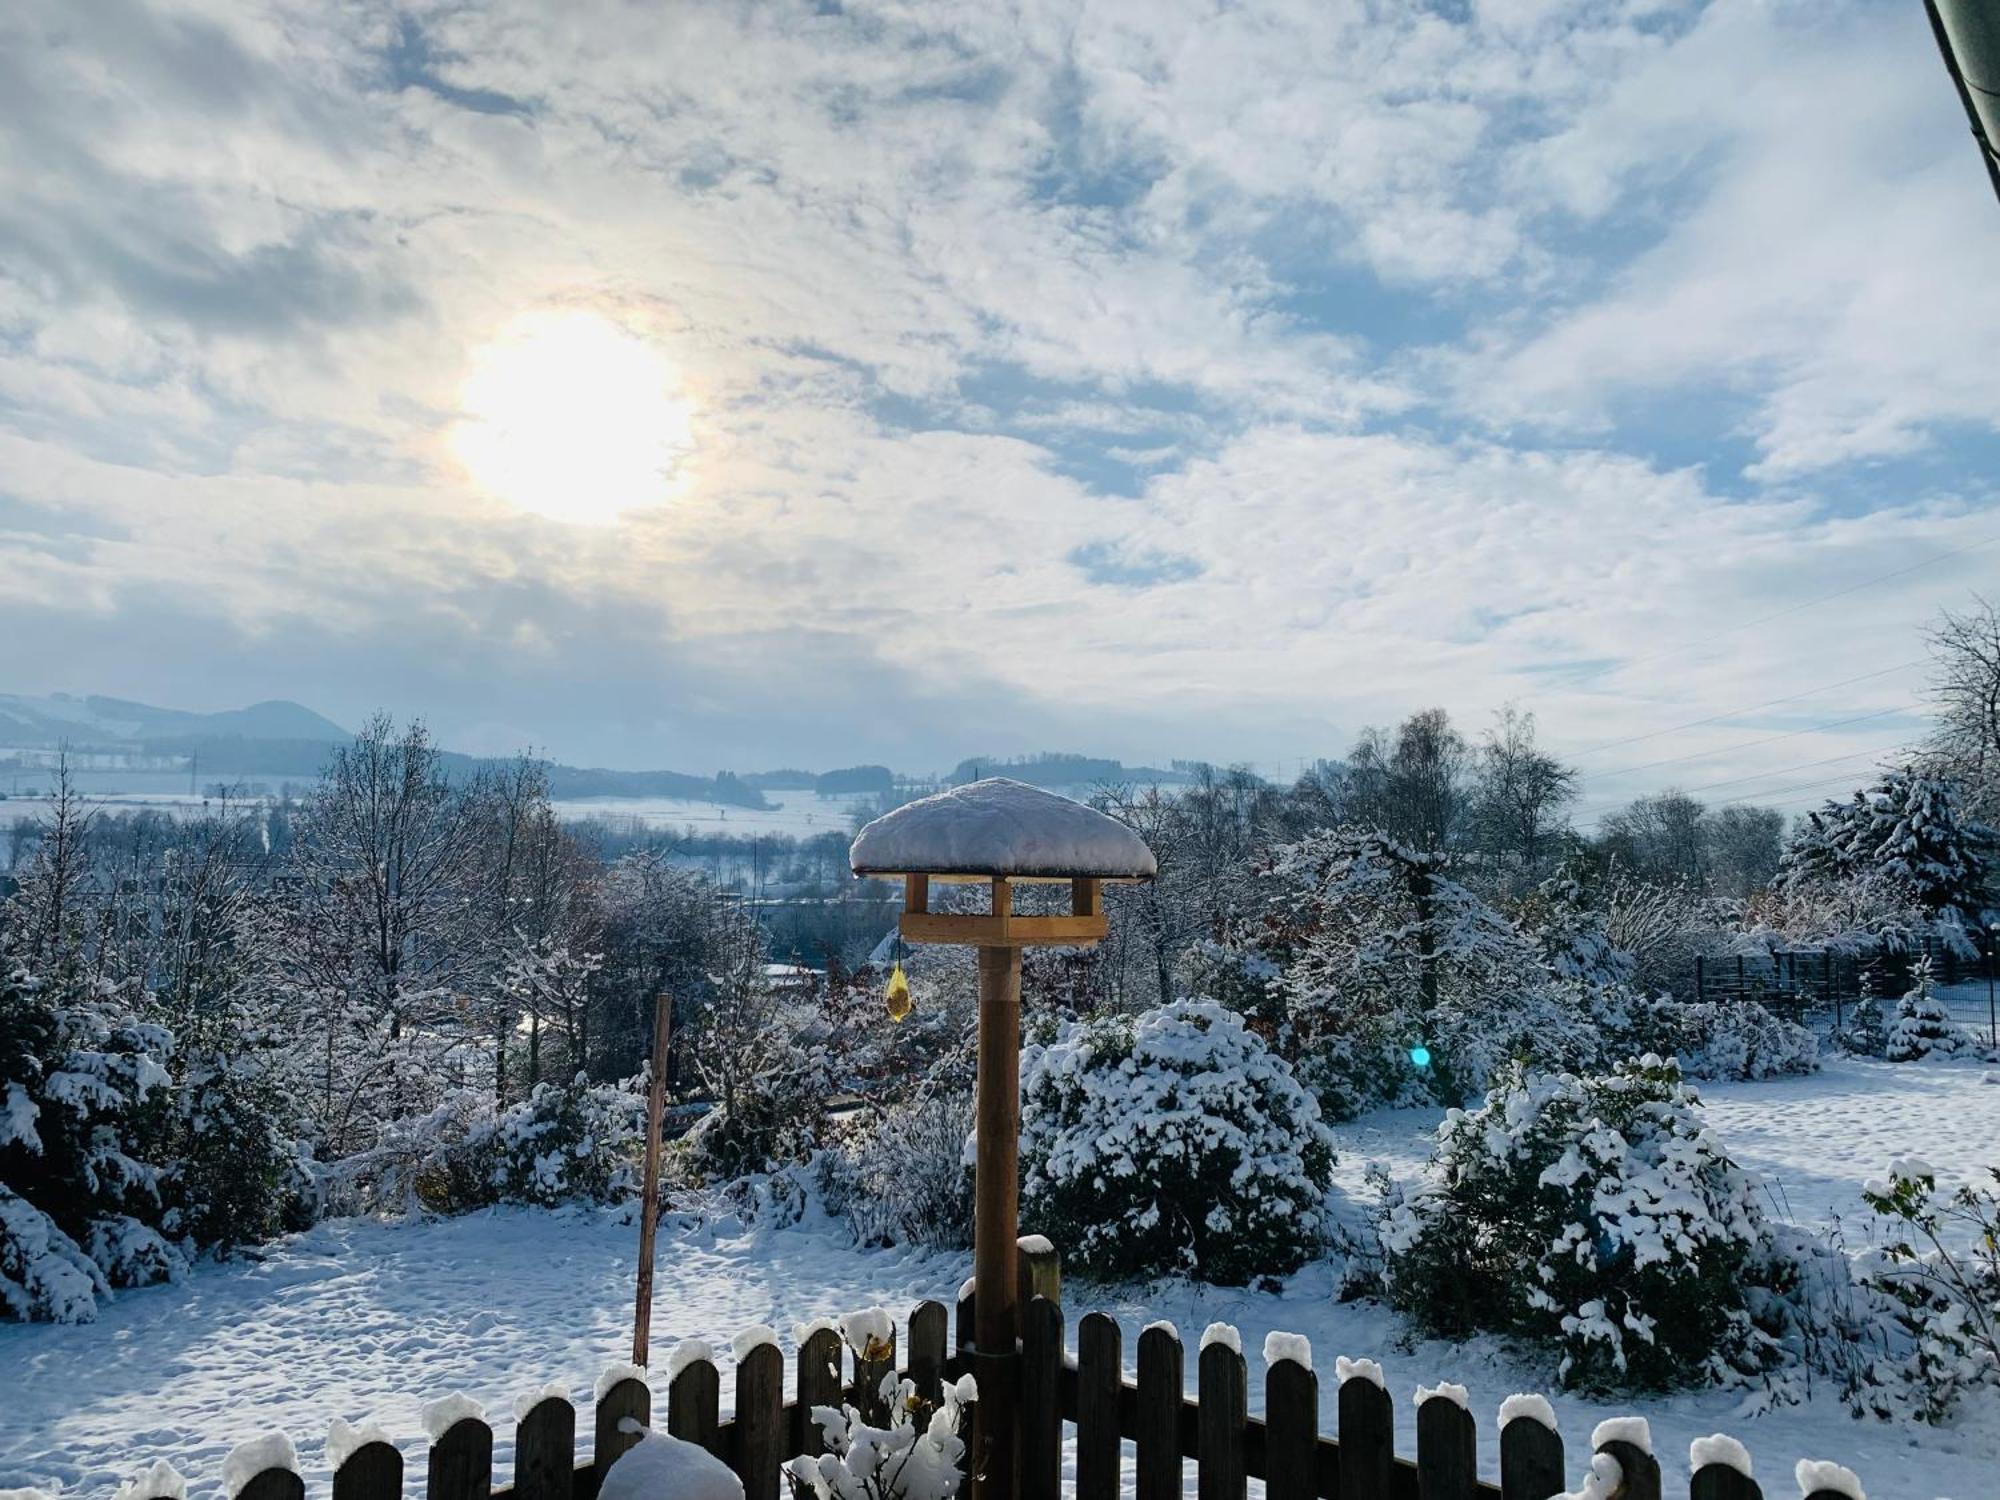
1965,685
387,919
1521,792
1660,838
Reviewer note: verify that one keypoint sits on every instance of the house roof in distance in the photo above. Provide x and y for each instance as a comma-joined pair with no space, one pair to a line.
1001,827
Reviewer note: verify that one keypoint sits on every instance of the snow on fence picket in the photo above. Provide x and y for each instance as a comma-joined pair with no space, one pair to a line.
1284,1448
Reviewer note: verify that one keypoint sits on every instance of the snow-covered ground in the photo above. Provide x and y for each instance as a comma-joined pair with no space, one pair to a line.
357,1319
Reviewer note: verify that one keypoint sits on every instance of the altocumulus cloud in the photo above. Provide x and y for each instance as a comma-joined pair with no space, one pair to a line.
1244,376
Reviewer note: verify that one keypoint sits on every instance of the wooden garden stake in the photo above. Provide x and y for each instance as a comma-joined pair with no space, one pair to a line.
649,1192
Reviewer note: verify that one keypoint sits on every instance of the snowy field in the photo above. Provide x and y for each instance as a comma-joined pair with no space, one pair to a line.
795,813
357,1319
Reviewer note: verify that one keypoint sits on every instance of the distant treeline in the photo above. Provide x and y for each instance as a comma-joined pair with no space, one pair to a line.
226,756
1057,768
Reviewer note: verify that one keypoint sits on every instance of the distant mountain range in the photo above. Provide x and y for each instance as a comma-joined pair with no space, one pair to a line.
281,740
271,740
104,723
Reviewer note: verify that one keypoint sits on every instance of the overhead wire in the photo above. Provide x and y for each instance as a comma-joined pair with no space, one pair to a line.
1773,739
1749,709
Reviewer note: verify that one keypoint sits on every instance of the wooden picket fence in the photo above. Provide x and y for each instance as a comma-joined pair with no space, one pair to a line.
1085,1399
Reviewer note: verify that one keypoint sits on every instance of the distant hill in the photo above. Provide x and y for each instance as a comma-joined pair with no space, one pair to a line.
106,723
275,739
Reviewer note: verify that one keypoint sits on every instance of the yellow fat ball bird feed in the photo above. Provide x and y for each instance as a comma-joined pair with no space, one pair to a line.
898,994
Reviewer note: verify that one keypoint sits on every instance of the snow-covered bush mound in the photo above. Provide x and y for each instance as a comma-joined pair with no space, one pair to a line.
79,1198
771,1114
1721,1039
1174,1141
566,1143
1595,1215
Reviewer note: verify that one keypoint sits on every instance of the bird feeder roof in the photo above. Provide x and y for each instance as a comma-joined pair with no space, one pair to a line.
1001,827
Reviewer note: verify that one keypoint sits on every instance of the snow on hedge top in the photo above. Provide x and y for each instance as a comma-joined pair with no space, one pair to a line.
1000,827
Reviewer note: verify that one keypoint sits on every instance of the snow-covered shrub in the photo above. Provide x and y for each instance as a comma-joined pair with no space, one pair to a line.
1595,1215
44,1274
570,1143
1719,1039
919,1456
1174,1141
77,1069
769,1120
1867,1031
1907,832
1940,1269
1923,1026
909,1180
1385,981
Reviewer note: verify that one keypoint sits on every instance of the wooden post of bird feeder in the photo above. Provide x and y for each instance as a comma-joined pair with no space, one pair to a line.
1000,834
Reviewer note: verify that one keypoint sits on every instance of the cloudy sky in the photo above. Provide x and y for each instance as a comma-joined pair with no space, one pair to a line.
768,383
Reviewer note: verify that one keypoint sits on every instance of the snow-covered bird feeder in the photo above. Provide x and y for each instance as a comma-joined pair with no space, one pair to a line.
1001,834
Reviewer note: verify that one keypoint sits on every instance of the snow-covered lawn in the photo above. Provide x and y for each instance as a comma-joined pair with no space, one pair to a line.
357,1319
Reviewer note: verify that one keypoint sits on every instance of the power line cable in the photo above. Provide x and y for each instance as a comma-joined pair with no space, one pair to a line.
1750,709
1831,760
1750,744
1805,604
1778,796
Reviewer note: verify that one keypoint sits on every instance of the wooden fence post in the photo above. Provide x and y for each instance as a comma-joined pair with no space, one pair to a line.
868,1376
374,1471
1157,1432
1099,1374
927,1334
616,1401
461,1463
759,1427
693,1396
1041,1398
818,1385
1629,1445
1222,1414
1041,1269
1291,1431
1367,1435
1447,1447
1721,1482
545,1451
1531,1459
273,1484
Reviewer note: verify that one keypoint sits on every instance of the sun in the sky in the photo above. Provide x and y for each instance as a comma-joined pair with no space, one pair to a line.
572,416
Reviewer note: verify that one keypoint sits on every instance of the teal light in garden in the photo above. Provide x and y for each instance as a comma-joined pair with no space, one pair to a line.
1420,1055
